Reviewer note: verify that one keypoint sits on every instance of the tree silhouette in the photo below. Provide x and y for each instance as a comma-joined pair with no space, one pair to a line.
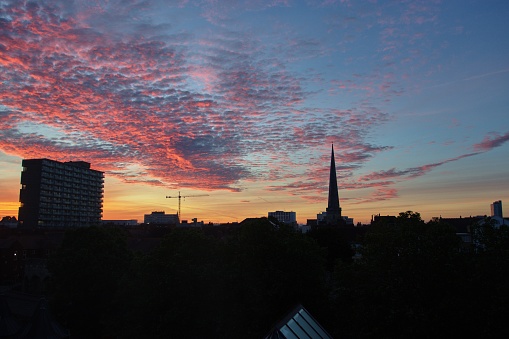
85,273
198,286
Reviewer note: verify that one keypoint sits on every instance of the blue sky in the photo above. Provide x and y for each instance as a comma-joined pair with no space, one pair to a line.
241,100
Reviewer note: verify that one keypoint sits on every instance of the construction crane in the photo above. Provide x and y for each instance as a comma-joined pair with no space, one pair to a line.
184,196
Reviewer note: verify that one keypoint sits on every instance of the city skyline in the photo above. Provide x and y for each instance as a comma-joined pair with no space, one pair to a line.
241,101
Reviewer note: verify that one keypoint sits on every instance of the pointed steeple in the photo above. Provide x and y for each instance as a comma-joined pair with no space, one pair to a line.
333,209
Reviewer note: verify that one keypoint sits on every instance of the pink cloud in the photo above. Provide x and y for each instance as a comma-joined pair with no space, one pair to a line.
381,194
190,112
412,172
491,141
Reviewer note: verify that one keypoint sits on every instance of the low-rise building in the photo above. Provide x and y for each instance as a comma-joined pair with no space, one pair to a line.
289,218
161,218
128,222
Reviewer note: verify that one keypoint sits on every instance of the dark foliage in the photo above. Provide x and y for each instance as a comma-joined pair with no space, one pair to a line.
415,279
334,240
274,269
86,271
192,285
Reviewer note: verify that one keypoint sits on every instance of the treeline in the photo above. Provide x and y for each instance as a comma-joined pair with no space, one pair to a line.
418,280
414,279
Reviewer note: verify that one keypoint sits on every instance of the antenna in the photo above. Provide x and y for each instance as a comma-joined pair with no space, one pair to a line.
184,196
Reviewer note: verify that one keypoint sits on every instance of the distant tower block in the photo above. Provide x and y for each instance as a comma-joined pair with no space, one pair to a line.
496,209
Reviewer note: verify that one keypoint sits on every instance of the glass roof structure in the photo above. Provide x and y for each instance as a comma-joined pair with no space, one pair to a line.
299,324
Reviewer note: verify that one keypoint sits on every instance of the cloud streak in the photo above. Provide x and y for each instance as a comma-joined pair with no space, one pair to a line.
409,173
491,141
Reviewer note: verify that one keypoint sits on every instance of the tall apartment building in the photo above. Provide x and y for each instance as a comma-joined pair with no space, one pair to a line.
60,194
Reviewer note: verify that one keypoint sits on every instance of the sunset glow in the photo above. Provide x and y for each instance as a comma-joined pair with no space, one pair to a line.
241,101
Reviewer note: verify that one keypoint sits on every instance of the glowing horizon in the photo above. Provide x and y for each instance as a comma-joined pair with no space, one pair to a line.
241,101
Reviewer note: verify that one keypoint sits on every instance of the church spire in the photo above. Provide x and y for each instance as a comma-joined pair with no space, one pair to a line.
333,209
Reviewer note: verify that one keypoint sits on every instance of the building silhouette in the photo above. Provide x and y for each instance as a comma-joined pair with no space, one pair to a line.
497,215
496,209
289,218
161,218
60,194
332,216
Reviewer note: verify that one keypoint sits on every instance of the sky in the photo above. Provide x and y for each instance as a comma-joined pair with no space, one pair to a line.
236,104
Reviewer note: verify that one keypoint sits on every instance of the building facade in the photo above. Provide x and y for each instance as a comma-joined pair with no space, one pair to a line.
496,209
161,218
285,217
60,194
